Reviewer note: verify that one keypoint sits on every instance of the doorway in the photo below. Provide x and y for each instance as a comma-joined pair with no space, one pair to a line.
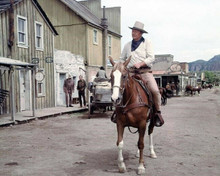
25,90
61,95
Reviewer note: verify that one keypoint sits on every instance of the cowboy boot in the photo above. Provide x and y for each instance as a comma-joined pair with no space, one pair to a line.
158,119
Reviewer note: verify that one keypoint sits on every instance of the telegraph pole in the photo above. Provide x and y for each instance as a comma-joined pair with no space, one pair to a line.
104,24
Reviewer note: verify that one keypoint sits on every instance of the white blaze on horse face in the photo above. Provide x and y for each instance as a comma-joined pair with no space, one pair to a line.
116,86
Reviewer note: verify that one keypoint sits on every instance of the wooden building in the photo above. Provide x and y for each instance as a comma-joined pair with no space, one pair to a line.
84,31
27,35
166,70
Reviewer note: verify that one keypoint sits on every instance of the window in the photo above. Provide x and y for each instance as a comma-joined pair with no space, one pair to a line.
22,31
39,35
40,88
95,36
41,85
109,45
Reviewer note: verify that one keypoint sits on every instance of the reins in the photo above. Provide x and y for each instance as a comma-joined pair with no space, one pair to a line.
118,87
132,131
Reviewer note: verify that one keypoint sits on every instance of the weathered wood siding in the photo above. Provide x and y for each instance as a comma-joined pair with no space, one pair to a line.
116,47
3,33
70,26
113,14
4,81
76,35
95,50
27,9
94,6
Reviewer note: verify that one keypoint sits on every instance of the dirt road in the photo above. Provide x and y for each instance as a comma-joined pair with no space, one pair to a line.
71,145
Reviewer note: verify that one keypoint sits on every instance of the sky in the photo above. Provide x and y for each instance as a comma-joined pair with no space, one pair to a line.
187,29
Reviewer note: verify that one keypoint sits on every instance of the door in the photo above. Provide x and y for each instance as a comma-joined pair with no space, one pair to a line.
22,90
61,94
24,81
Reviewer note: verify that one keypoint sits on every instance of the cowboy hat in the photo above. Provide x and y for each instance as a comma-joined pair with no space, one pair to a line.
139,26
69,76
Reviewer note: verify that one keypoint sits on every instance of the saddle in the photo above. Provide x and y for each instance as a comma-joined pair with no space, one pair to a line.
157,119
138,79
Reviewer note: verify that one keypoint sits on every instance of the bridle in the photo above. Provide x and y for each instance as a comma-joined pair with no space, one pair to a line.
124,78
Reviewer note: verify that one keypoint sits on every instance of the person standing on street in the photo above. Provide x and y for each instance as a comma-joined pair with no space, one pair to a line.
81,85
177,87
142,57
68,88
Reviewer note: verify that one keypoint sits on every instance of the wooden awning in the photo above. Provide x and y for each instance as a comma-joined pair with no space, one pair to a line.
7,62
9,65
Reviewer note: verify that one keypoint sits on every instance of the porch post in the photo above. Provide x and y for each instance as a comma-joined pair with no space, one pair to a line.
12,98
33,90
181,81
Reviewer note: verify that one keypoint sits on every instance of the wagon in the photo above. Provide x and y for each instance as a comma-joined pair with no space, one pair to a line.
100,95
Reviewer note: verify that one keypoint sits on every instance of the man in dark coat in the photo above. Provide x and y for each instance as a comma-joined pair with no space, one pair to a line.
81,85
68,88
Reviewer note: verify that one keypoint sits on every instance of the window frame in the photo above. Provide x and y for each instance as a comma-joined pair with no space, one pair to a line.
95,37
42,93
25,32
41,37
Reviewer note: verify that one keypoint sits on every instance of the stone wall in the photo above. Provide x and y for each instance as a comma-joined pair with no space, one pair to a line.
67,63
162,62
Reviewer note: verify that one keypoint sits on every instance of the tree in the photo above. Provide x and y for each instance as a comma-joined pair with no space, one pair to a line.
210,76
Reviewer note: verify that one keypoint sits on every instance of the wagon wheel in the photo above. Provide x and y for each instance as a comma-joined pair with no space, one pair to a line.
165,101
91,110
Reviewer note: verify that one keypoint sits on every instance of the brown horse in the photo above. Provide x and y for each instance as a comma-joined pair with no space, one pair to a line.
192,90
132,110
198,89
189,89
206,86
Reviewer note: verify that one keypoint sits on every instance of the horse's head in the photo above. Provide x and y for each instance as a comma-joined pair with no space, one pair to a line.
119,75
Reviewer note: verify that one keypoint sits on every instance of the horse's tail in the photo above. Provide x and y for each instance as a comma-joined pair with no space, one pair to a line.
152,122
151,126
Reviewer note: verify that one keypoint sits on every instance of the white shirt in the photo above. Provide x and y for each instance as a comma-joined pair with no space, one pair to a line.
144,52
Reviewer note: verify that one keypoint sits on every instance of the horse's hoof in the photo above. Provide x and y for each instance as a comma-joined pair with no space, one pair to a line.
141,170
122,168
153,155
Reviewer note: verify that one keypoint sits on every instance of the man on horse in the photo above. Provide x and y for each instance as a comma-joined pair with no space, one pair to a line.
142,57
134,89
